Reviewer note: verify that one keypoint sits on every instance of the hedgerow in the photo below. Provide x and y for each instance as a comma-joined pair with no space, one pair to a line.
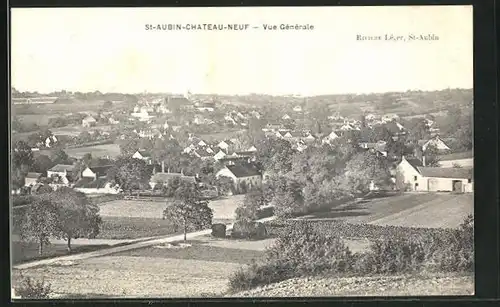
310,248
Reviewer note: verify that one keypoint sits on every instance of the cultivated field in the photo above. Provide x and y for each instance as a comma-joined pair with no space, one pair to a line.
410,209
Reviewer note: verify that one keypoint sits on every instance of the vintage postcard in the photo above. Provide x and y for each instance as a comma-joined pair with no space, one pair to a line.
241,152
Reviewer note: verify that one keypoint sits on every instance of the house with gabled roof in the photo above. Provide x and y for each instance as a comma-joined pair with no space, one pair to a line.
32,179
62,171
246,176
143,155
413,175
436,142
202,154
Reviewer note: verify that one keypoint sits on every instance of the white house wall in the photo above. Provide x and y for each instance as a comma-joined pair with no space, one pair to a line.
444,184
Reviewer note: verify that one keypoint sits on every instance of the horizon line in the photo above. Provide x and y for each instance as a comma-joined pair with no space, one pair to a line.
245,94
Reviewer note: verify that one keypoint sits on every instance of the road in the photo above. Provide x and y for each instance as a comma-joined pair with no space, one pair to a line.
145,242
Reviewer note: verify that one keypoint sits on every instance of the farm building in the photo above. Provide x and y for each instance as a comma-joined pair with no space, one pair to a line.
219,155
165,178
412,175
96,172
245,176
436,142
31,179
143,155
61,170
89,121
329,138
202,154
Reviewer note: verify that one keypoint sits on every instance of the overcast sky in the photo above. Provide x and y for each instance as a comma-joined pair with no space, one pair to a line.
109,50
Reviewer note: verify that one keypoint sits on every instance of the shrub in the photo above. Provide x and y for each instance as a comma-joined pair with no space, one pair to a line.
390,256
219,230
309,251
260,274
260,231
243,230
33,289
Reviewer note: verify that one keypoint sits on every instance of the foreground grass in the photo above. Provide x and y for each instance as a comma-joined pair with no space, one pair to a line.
198,250
23,251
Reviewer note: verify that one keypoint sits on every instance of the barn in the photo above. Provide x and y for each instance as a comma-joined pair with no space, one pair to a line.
411,175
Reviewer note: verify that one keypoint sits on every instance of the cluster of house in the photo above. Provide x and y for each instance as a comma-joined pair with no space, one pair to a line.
91,119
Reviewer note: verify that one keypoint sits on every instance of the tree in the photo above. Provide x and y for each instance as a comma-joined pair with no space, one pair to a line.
188,210
364,169
42,163
288,199
431,154
275,155
60,157
248,210
77,215
40,222
22,155
129,173
224,185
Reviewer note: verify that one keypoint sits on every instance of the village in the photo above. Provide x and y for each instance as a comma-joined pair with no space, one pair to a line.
236,155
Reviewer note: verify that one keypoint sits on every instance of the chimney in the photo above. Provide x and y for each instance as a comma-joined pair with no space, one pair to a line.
423,160
163,166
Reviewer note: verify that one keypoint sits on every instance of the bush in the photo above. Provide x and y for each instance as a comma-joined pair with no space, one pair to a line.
219,230
389,257
33,289
260,274
243,230
311,248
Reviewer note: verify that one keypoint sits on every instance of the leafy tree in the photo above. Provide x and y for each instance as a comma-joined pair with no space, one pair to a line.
362,170
128,146
40,222
77,215
224,185
275,155
60,157
129,173
288,199
248,210
22,155
188,210
42,163
431,154
107,105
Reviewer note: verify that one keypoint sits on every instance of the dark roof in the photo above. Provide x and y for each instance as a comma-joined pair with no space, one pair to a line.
62,168
82,183
100,171
416,163
34,175
203,153
145,153
441,172
243,170
165,177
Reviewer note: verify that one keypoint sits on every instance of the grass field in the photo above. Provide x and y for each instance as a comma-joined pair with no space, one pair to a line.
411,210
223,208
113,150
128,276
58,108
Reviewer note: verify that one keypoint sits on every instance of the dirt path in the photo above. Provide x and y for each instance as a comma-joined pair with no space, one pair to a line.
103,252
